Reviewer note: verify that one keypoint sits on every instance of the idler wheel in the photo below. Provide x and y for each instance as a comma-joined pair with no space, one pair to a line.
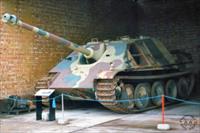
182,86
171,89
157,90
126,94
141,94
191,82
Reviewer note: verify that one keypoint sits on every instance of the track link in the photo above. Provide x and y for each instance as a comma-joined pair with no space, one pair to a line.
106,91
45,82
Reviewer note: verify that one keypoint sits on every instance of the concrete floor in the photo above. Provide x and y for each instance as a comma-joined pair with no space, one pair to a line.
96,119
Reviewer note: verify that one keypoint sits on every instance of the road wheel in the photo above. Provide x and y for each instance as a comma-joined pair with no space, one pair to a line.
157,90
191,83
183,89
141,94
171,89
126,94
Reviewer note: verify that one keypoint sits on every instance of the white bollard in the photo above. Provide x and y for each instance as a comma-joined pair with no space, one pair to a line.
62,121
45,116
163,127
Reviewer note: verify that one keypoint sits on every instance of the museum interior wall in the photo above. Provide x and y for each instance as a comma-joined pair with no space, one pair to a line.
25,57
175,22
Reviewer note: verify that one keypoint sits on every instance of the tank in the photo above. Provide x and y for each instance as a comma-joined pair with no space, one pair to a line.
126,68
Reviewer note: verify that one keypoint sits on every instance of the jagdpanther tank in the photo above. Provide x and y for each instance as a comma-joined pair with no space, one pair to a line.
127,68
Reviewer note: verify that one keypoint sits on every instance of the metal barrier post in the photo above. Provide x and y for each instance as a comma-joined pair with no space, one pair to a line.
62,120
163,109
163,126
63,106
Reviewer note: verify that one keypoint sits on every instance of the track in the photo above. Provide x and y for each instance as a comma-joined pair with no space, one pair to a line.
106,90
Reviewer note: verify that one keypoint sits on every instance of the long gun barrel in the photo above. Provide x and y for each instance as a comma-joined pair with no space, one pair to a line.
13,20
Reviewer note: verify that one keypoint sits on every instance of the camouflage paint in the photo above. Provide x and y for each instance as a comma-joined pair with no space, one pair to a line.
42,32
119,47
85,74
71,79
65,63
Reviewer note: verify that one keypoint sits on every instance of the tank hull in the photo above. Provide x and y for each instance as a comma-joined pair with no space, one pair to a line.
120,75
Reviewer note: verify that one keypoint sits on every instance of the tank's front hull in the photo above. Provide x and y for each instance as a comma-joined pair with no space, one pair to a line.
76,93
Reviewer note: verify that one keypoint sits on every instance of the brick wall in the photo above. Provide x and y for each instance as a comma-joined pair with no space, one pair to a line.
174,22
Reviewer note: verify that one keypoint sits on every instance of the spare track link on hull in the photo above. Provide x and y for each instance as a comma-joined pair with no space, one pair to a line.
45,82
106,93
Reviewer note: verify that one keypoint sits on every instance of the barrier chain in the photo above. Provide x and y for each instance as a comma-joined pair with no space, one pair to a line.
123,100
